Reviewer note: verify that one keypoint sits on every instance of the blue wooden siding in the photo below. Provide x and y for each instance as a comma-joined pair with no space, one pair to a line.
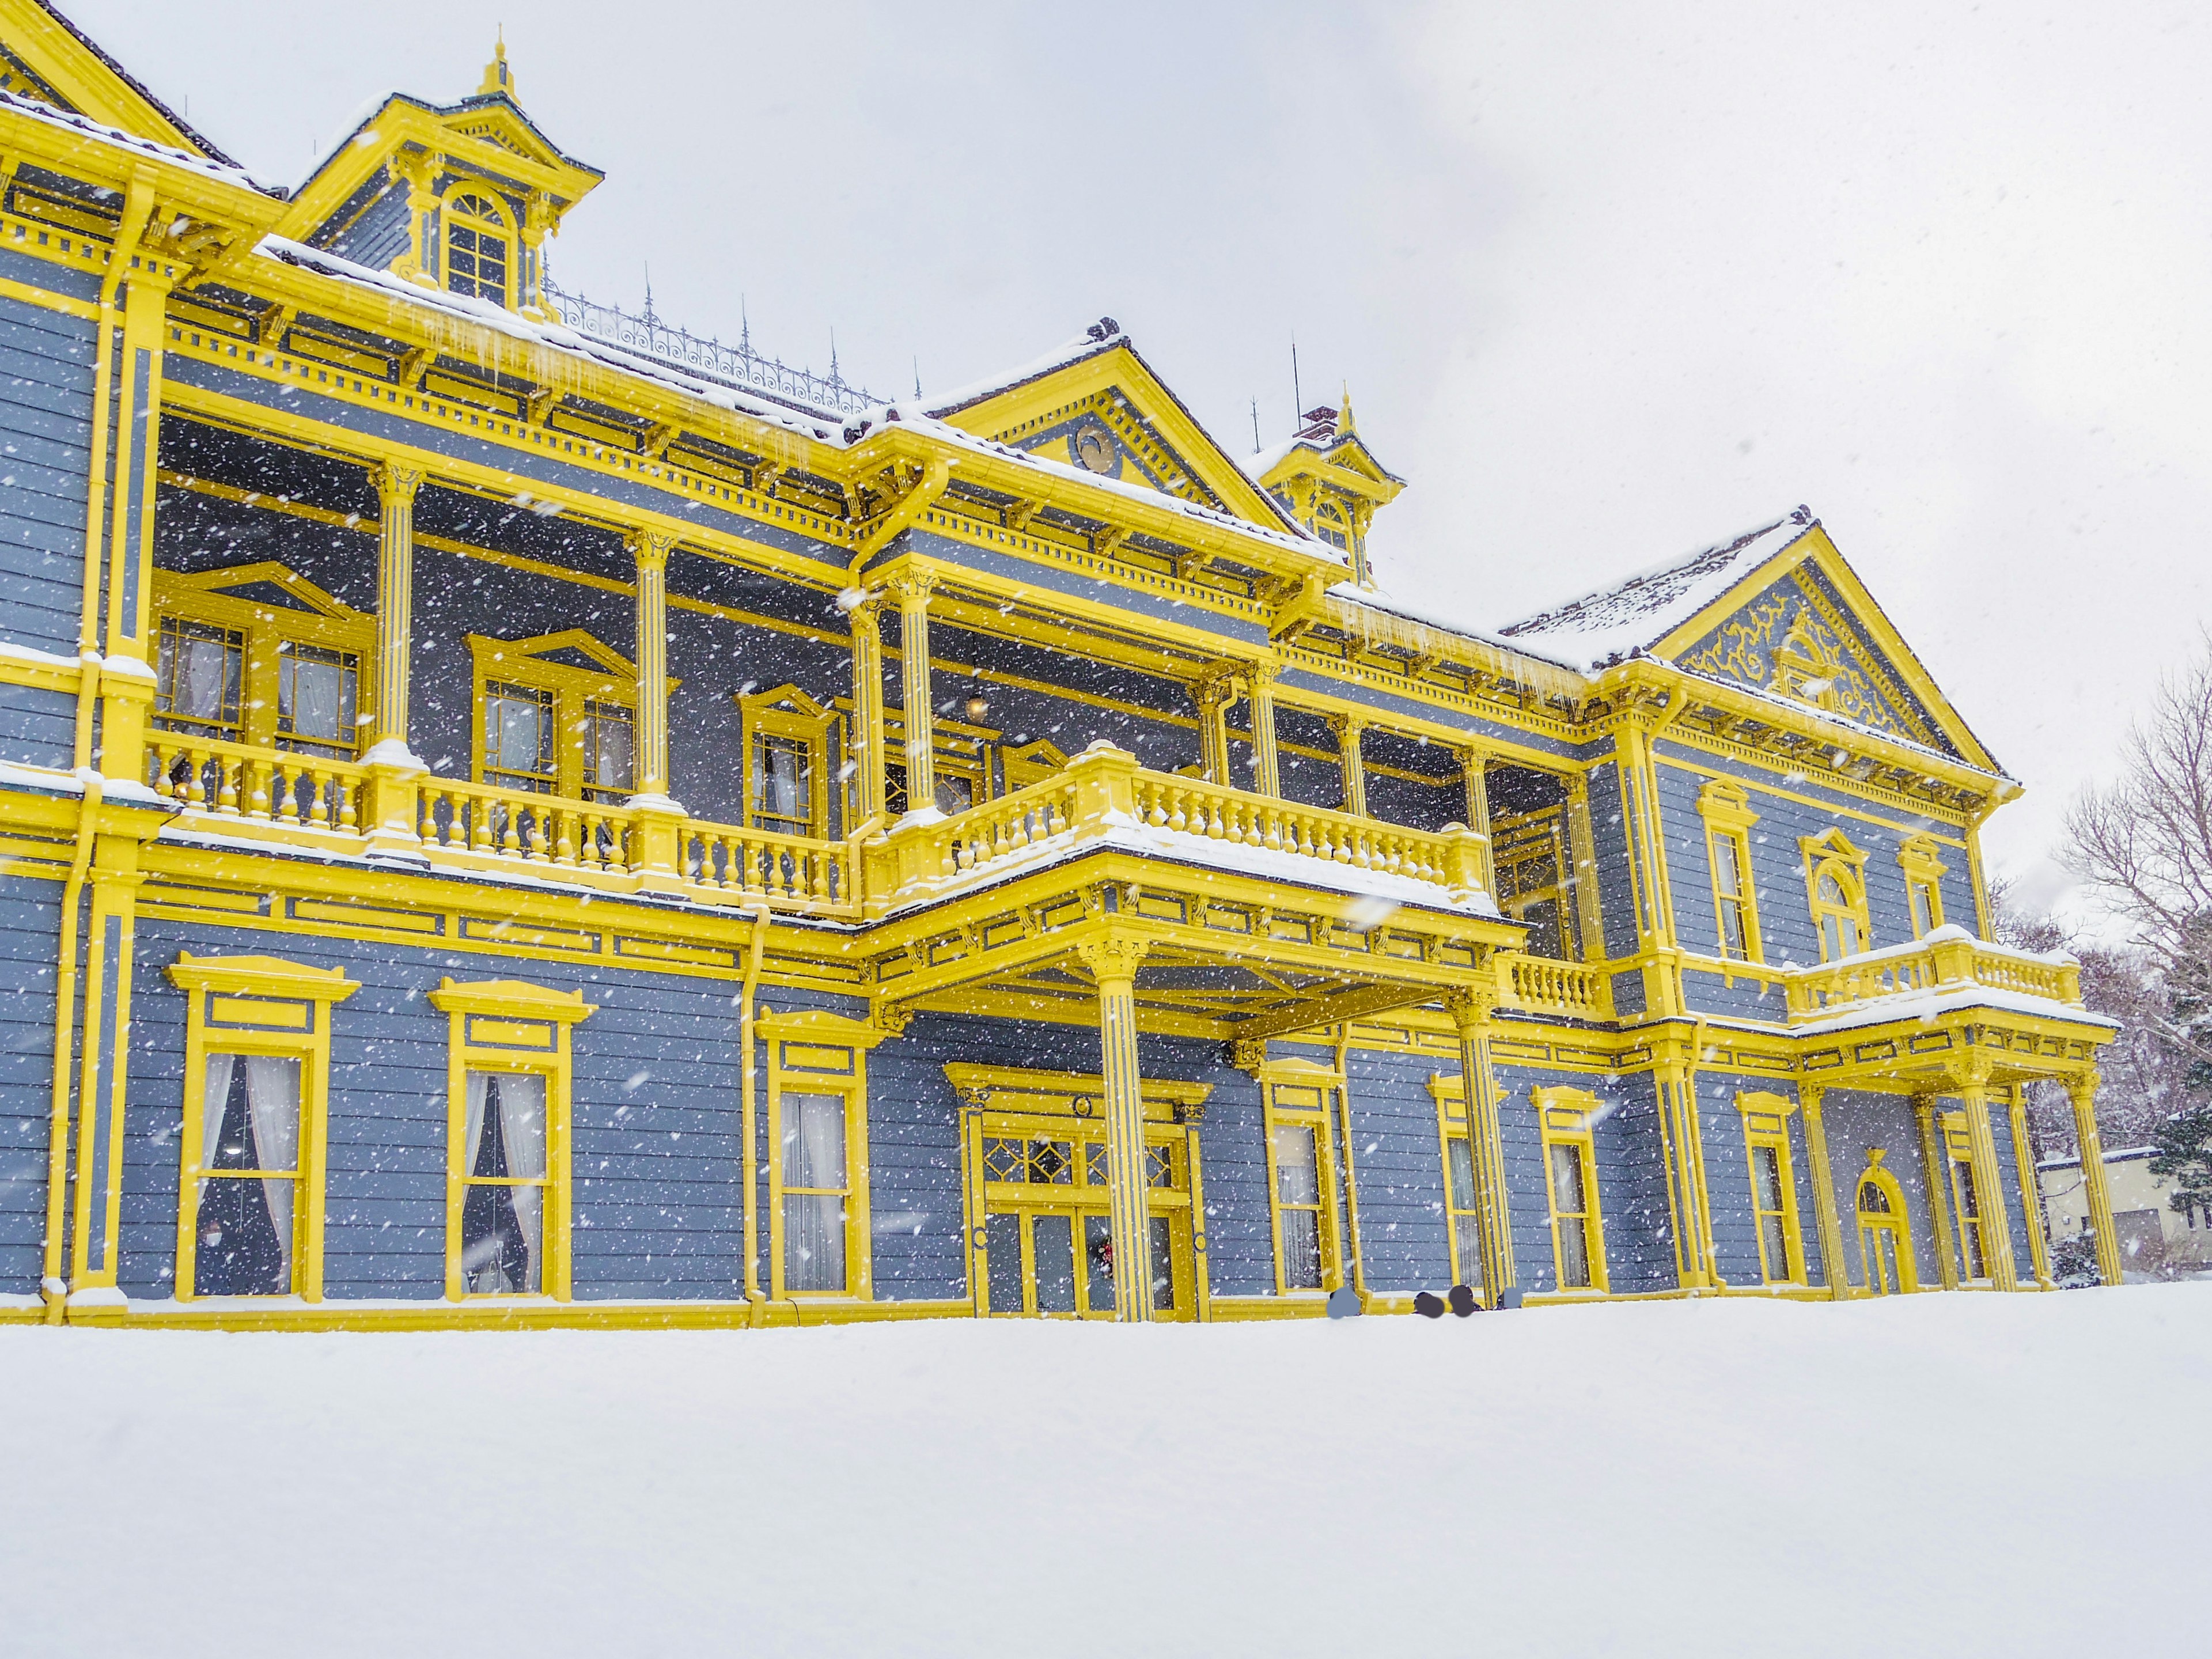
1616,887
46,367
1854,1122
1398,1160
30,926
37,728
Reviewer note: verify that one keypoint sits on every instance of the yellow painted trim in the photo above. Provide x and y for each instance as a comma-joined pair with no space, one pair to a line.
1564,1116
1766,1124
850,1085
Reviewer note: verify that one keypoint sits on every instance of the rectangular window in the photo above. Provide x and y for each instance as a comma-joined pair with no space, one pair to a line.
246,1186
1927,913
519,753
317,693
782,787
815,1189
1459,1200
1969,1220
476,264
198,676
1571,1214
1297,1204
503,1183
1732,896
610,752
1771,1199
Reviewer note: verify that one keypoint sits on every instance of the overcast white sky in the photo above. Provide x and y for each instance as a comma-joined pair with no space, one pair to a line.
1608,282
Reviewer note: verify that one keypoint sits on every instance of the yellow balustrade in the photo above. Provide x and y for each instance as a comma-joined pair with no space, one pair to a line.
1939,964
1166,801
787,870
254,785
1541,985
517,826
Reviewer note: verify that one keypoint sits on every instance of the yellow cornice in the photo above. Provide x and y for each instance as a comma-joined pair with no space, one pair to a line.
223,198
260,976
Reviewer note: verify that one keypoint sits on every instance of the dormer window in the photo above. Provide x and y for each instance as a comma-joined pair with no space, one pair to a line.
477,245
1329,526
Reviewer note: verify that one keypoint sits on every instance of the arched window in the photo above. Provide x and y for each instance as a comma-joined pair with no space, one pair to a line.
476,246
1885,1262
1835,881
1329,525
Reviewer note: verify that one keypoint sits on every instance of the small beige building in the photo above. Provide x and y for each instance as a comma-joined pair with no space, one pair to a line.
2151,1230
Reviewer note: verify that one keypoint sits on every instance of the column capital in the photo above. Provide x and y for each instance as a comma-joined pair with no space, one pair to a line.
1216,688
1346,726
1471,1008
913,587
1261,675
1809,1096
1113,956
650,546
396,481
1971,1071
2082,1088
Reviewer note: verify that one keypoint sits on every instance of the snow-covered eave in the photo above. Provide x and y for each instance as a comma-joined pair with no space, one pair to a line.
1925,1007
369,113
80,126
1376,618
2123,1155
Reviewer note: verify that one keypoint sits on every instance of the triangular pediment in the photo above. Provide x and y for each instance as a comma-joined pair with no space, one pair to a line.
269,585
47,59
1103,411
1803,627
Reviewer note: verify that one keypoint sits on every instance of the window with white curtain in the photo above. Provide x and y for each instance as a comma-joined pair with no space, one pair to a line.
503,1208
815,1190
249,1169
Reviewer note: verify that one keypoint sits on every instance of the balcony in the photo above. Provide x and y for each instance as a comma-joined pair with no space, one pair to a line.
1101,800
1949,964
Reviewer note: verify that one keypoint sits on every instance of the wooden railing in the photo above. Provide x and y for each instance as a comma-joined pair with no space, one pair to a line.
1949,959
1167,801
788,871
258,786
517,826
1541,985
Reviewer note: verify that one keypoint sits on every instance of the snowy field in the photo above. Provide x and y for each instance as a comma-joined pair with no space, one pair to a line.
1957,1474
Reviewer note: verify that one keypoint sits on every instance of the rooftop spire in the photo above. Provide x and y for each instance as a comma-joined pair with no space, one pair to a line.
1344,427
497,77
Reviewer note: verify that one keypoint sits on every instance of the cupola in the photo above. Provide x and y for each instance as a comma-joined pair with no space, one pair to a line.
1328,480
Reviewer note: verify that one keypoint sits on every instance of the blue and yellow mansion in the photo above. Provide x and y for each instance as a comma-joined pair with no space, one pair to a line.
512,813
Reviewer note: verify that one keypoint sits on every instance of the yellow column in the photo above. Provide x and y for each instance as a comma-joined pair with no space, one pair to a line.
132,449
1470,1012
1266,775
658,841
2031,1188
867,734
1936,1171
1684,1148
103,1075
1647,844
393,766
2082,1090
1214,694
1989,1185
1113,962
914,590
1832,1267
1351,762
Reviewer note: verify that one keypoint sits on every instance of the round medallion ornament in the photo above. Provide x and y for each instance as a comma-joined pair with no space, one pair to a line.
1092,448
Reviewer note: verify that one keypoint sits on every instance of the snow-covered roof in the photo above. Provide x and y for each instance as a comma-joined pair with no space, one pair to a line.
227,170
1093,341
1634,614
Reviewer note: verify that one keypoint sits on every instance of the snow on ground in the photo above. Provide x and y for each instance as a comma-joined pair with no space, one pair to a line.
1957,1474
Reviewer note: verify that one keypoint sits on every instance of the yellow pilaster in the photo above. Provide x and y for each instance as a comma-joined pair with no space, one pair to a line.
1936,1171
103,1076
1647,848
393,766
1351,762
1989,1185
913,591
2031,1189
1683,1144
133,448
1475,777
2082,1091
1113,962
1470,1013
1830,1225
1266,776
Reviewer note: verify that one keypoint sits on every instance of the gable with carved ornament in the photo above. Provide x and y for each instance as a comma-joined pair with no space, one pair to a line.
1799,640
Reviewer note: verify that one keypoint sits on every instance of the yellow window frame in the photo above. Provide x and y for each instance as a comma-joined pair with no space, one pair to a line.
1306,1100
1461,1212
1973,1224
1565,1116
259,1006
524,663
1766,1128
499,222
1925,870
511,1025
789,714
1831,856
1725,806
322,623
961,750
816,1052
